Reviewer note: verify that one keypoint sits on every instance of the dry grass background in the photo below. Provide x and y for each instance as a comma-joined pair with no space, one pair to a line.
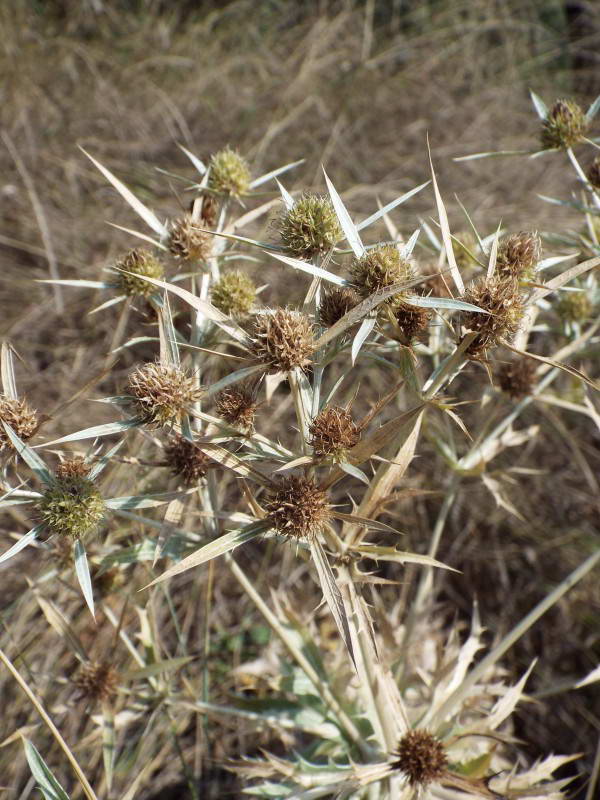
354,86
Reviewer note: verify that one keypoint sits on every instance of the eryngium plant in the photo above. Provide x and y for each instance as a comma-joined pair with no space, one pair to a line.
565,126
161,393
310,227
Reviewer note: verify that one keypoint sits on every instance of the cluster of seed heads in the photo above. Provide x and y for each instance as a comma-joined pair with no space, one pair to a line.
336,303
186,242
310,227
237,406
234,294
517,378
20,416
565,126
501,299
381,268
332,433
518,256
297,507
97,680
421,757
282,339
161,393
229,173
136,265
186,459
72,505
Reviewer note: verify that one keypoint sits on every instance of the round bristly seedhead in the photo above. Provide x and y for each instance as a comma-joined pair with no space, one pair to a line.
565,126
140,262
72,505
186,459
161,393
188,243
97,680
421,757
282,339
501,299
574,306
237,406
21,418
333,432
229,173
518,256
297,507
310,227
593,173
336,303
379,268
73,468
234,294
412,321
517,378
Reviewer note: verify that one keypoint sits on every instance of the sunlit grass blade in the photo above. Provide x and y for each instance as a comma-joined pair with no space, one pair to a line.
539,105
593,109
445,228
274,172
45,780
82,571
233,377
497,153
311,269
81,283
445,303
389,206
139,235
380,553
287,198
143,500
99,430
200,166
331,593
348,226
362,334
29,456
25,540
7,371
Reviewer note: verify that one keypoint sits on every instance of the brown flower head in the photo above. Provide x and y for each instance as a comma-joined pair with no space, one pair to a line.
379,268
421,757
593,173
283,339
234,294
161,393
21,418
501,299
73,468
97,680
565,126
333,432
237,406
141,263
310,227
518,256
208,214
229,173
188,243
335,303
517,378
297,507
412,321
186,459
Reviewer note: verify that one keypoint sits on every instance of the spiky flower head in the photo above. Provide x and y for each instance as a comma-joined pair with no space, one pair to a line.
97,680
140,262
188,243
335,303
229,173
501,299
412,321
237,406
574,306
72,505
379,268
297,507
234,293
518,255
161,393
310,227
20,416
186,459
282,339
421,757
333,432
517,378
565,126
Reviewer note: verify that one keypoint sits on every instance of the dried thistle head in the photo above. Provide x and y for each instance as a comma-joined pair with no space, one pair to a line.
412,321
208,213
565,126
574,306
229,173
282,339
335,303
97,680
234,293
501,299
140,262
379,268
161,392
310,227
297,507
517,378
188,243
72,505
421,757
333,432
593,173
237,406
518,256
186,459
21,418
73,468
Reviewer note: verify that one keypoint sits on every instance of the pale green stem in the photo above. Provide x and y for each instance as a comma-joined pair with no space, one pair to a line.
89,792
